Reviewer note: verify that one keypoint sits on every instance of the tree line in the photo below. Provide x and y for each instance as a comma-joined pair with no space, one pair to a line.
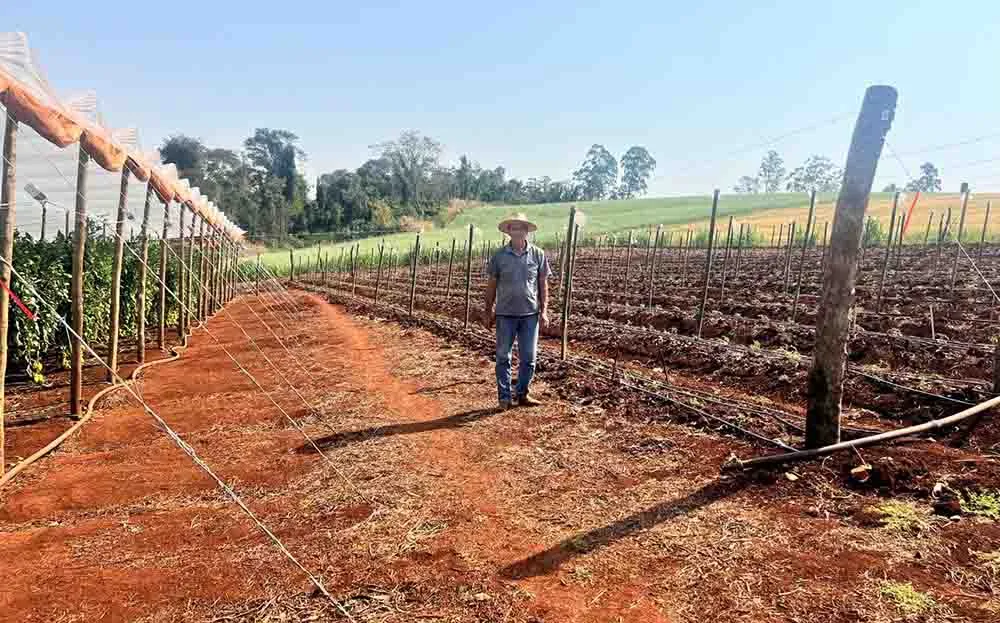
819,173
262,189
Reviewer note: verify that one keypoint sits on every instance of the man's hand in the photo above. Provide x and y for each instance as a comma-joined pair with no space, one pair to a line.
543,321
488,318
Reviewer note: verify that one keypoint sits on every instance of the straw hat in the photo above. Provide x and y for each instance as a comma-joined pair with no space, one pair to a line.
517,217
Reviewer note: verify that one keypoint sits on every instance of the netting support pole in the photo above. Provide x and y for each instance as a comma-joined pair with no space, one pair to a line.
958,238
888,252
202,306
826,377
181,335
628,262
567,278
982,237
189,292
140,297
810,224
725,261
8,195
652,264
468,277
116,278
413,273
161,316
451,262
76,285
708,261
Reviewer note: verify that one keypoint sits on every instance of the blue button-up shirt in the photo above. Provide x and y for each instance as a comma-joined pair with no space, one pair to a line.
518,276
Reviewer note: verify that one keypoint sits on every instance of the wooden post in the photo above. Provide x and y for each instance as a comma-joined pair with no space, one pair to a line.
181,333
451,261
468,278
189,277
378,273
140,297
958,238
781,235
708,262
826,245
982,237
76,285
8,198
116,277
805,245
927,232
628,261
772,235
930,308
739,253
687,252
203,293
652,264
571,230
826,378
725,260
788,256
354,268
257,275
413,272
161,317
888,252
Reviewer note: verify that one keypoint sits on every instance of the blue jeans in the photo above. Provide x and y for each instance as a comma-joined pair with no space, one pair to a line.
525,329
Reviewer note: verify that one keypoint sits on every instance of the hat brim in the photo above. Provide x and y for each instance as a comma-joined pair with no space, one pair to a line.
505,225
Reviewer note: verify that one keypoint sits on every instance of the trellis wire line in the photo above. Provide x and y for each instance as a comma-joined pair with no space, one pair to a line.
253,379
187,449
676,401
906,171
941,147
978,272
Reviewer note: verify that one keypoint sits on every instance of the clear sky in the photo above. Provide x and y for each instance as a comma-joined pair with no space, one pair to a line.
531,85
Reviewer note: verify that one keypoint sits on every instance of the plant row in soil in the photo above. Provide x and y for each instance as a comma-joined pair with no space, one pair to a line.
778,372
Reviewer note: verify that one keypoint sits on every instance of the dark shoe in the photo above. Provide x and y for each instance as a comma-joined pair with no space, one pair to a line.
504,405
528,401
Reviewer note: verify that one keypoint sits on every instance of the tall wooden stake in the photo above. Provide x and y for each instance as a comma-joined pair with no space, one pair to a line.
451,262
927,232
116,278
725,260
413,272
76,285
181,278
982,237
571,230
958,238
652,264
161,316
468,277
628,261
788,256
826,379
378,273
802,258
140,297
8,197
708,262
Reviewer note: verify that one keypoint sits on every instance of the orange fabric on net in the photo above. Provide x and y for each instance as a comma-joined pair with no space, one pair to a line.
138,167
52,124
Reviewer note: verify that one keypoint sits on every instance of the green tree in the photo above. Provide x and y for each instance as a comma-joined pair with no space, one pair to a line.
772,172
929,180
817,173
412,157
597,174
637,167
747,184
187,154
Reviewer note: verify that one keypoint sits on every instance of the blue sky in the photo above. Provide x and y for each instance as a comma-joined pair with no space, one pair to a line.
531,86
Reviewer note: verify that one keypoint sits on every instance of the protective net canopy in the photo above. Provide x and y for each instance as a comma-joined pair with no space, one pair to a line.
53,134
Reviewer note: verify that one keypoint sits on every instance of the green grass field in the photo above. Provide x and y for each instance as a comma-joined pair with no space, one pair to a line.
639,215
600,217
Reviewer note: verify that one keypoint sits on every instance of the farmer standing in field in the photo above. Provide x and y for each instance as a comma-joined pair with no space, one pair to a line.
517,283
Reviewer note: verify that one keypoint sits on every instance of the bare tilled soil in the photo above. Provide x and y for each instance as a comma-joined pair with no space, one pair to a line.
605,504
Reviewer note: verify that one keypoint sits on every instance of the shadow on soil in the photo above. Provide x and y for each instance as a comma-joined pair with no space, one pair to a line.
554,557
458,420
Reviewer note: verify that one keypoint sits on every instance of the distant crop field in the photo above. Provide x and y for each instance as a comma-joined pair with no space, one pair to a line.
640,215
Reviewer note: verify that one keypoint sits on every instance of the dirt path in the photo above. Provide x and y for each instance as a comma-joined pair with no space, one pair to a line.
436,506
